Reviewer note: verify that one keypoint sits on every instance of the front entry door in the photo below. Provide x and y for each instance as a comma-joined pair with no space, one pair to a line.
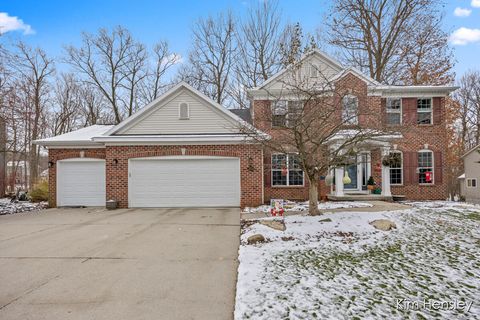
352,173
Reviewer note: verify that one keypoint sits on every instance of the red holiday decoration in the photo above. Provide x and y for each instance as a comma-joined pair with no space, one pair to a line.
428,176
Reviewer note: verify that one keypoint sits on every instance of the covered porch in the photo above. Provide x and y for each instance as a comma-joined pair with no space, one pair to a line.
351,181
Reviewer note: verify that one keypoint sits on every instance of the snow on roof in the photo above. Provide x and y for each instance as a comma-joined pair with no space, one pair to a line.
78,137
461,176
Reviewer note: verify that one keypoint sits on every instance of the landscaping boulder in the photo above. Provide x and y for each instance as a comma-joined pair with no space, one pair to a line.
274,224
383,224
255,239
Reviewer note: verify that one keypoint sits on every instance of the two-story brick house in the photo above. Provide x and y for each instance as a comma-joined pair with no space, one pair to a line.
184,149
412,117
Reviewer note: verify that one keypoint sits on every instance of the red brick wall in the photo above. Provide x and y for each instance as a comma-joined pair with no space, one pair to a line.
250,167
59,154
372,114
117,174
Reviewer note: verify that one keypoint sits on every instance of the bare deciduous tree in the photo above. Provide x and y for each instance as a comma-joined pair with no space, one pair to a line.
428,58
34,69
211,58
155,82
112,62
372,34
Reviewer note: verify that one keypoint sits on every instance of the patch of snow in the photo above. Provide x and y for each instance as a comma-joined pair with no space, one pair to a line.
9,207
84,134
303,206
347,269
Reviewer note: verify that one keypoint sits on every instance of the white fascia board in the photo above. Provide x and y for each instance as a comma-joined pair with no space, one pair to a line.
68,144
412,91
177,139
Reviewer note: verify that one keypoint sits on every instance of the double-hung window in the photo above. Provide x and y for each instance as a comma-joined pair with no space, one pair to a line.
279,113
350,109
424,111
286,113
425,167
286,170
394,111
396,168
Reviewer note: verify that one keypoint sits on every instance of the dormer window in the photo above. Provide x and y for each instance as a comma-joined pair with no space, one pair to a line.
183,111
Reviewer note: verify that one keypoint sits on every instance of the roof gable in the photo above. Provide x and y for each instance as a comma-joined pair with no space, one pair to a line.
327,67
161,117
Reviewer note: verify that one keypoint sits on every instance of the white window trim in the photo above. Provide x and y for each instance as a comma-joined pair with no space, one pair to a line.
349,121
288,171
401,168
426,111
470,180
180,113
395,111
433,167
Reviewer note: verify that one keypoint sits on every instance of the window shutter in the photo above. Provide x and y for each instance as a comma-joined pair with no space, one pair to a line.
437,110
384,111
410,167
267,167
438,172
407,164
409,106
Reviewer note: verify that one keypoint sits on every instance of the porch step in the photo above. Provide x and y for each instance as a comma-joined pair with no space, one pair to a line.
359,197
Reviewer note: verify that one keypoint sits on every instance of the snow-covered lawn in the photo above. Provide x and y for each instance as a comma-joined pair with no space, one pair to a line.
347,269
8,207
303,206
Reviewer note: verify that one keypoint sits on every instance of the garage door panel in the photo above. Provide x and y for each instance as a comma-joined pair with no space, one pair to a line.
184,182
81,183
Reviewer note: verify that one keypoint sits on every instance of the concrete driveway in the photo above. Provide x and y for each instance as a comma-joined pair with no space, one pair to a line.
122,264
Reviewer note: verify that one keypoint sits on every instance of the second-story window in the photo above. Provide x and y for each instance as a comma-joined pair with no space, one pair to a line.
286,113
350,110
279,113
424,111
394,111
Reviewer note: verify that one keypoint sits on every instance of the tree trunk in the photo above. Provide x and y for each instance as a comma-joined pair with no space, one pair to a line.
3,151
313,197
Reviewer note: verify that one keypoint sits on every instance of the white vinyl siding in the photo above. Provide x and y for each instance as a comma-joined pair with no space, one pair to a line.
165,118
471,183
325,70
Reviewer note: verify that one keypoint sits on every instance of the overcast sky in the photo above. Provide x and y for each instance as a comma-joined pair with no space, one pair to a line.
53,24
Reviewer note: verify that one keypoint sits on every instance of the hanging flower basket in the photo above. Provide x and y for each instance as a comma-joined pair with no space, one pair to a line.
392,160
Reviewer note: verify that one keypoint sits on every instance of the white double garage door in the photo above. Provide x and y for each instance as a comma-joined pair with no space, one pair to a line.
154,182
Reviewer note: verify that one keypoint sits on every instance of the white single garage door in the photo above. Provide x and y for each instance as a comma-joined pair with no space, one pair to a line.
184,182
81,182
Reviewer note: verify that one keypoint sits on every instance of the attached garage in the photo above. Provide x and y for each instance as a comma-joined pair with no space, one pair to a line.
81,182
204,181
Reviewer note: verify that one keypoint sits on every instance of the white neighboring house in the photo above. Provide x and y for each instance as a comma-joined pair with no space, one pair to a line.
469,181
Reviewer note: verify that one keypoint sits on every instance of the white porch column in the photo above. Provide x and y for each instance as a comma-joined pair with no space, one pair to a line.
386,176
339,181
